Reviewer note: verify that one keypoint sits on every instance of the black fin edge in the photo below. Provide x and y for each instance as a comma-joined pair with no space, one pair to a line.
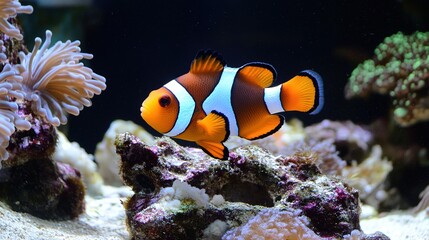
227,132
282,121
263,65
225,153
205,53
318,83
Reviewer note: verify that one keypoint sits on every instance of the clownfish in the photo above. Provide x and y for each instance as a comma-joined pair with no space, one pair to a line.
212,102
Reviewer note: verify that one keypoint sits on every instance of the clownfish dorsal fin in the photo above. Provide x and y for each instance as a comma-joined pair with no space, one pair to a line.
261,74
207,61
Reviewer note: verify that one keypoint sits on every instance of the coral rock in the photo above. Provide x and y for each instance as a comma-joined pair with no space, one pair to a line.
332,207
251,178
31,181
37,142
105,152
45,189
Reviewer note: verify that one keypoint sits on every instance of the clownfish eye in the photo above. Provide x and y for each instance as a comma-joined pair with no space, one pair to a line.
164,101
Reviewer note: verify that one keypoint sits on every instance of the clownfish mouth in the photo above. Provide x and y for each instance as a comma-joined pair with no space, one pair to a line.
143,109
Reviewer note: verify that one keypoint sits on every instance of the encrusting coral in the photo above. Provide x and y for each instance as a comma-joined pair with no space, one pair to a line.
274,224
252,179
37,91
399,70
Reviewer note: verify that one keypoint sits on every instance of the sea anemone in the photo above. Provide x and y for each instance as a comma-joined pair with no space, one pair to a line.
9,86
8,9
56,81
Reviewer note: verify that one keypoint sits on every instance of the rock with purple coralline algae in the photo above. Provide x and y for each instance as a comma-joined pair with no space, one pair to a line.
30,181
37,142
252,179
326,201
44,189
162,217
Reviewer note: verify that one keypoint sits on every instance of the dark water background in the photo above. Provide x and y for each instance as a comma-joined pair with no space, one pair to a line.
140,45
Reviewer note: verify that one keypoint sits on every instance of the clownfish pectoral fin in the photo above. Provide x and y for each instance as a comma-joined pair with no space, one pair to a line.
261,74
214,149
207,61
264,127
215,126
303,93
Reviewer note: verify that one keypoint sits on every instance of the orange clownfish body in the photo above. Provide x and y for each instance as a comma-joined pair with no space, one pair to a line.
212,102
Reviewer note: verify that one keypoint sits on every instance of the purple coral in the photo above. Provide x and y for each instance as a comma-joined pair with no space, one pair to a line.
331,206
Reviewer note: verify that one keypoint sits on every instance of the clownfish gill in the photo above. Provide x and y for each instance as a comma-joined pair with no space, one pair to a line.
212,102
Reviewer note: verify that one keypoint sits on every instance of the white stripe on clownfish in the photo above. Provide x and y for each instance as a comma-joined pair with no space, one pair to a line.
273,100
220,98
186,107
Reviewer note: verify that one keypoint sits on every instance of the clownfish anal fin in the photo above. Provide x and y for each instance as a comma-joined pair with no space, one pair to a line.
261,74
264,127
214,149
207,61
215,126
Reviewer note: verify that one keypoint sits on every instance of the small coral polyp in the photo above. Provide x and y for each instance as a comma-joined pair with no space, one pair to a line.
399,70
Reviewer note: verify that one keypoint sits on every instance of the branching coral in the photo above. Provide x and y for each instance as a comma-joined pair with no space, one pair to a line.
56,81
399,69
10,8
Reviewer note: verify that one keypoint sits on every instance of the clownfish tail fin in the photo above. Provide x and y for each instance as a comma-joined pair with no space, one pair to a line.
303,93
